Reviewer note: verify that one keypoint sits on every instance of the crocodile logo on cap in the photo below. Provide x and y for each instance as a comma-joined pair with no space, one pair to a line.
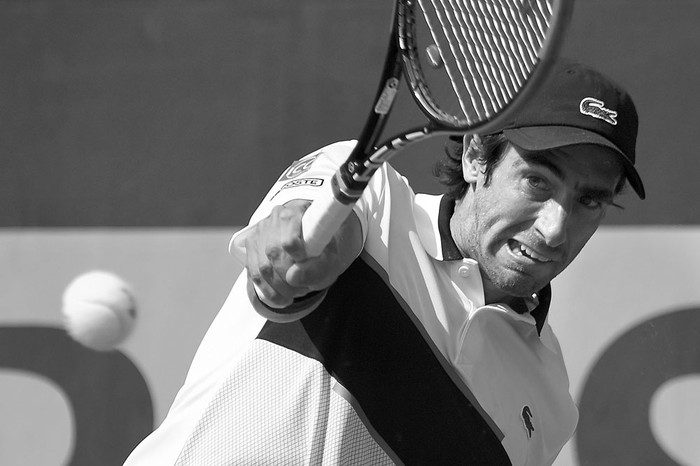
596,108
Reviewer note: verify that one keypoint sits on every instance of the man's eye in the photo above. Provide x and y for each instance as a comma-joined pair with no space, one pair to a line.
591,203
535,182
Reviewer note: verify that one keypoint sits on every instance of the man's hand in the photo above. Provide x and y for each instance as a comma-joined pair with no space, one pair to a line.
277,262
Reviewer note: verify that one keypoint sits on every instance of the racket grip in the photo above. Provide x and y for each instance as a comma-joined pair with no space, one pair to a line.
321,221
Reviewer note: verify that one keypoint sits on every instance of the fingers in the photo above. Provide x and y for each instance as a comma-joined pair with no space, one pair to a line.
315,273
276,257
290,242
274,246
272,288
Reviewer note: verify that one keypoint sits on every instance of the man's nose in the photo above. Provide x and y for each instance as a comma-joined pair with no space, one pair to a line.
552,221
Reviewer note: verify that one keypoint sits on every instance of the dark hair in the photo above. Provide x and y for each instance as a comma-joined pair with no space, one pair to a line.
488,149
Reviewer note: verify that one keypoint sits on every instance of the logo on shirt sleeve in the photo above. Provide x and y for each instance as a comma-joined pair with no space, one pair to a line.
299,167
526,416
313,182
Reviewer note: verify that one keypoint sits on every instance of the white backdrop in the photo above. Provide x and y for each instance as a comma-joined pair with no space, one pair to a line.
624,277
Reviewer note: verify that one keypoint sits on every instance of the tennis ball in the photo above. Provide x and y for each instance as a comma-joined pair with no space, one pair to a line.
99,310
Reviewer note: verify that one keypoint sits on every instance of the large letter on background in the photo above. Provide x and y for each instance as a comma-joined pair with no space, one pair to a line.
109,398
614,429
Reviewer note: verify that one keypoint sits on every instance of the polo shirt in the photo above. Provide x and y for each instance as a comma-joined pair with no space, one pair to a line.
402,363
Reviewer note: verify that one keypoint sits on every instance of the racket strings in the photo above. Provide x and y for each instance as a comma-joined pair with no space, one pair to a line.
489,48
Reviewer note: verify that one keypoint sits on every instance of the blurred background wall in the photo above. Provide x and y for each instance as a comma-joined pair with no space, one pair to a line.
137,136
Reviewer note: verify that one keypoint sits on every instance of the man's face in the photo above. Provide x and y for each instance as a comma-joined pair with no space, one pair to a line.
534,216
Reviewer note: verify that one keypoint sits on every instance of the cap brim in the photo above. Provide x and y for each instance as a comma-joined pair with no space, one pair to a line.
537,138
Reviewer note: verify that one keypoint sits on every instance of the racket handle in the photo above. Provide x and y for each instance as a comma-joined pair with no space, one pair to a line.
321,221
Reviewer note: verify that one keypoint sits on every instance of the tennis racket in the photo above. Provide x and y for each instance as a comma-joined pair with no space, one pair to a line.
469,64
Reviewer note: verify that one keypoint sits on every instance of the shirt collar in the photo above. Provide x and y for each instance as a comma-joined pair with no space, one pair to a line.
450,251
435,213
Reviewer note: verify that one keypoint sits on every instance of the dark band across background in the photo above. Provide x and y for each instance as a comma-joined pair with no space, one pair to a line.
154,113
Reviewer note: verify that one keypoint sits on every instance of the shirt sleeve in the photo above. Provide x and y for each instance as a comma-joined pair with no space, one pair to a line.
303,180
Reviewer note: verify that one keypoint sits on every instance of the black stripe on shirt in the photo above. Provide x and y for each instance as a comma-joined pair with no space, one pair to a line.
365,339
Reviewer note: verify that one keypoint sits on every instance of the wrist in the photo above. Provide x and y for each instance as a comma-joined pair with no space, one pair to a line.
300,307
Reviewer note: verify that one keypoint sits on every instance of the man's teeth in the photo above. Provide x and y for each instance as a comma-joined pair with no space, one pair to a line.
527,252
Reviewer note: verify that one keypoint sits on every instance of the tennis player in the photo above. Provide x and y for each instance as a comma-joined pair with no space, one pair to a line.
420,334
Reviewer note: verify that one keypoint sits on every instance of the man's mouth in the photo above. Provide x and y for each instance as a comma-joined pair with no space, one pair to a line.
519,249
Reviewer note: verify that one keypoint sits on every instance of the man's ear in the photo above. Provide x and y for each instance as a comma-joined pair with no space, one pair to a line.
471,165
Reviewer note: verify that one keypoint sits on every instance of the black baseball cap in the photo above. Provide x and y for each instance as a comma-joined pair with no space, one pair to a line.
578,105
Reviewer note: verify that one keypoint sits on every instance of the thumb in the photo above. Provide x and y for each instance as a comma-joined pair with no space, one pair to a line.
296,276
310,274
